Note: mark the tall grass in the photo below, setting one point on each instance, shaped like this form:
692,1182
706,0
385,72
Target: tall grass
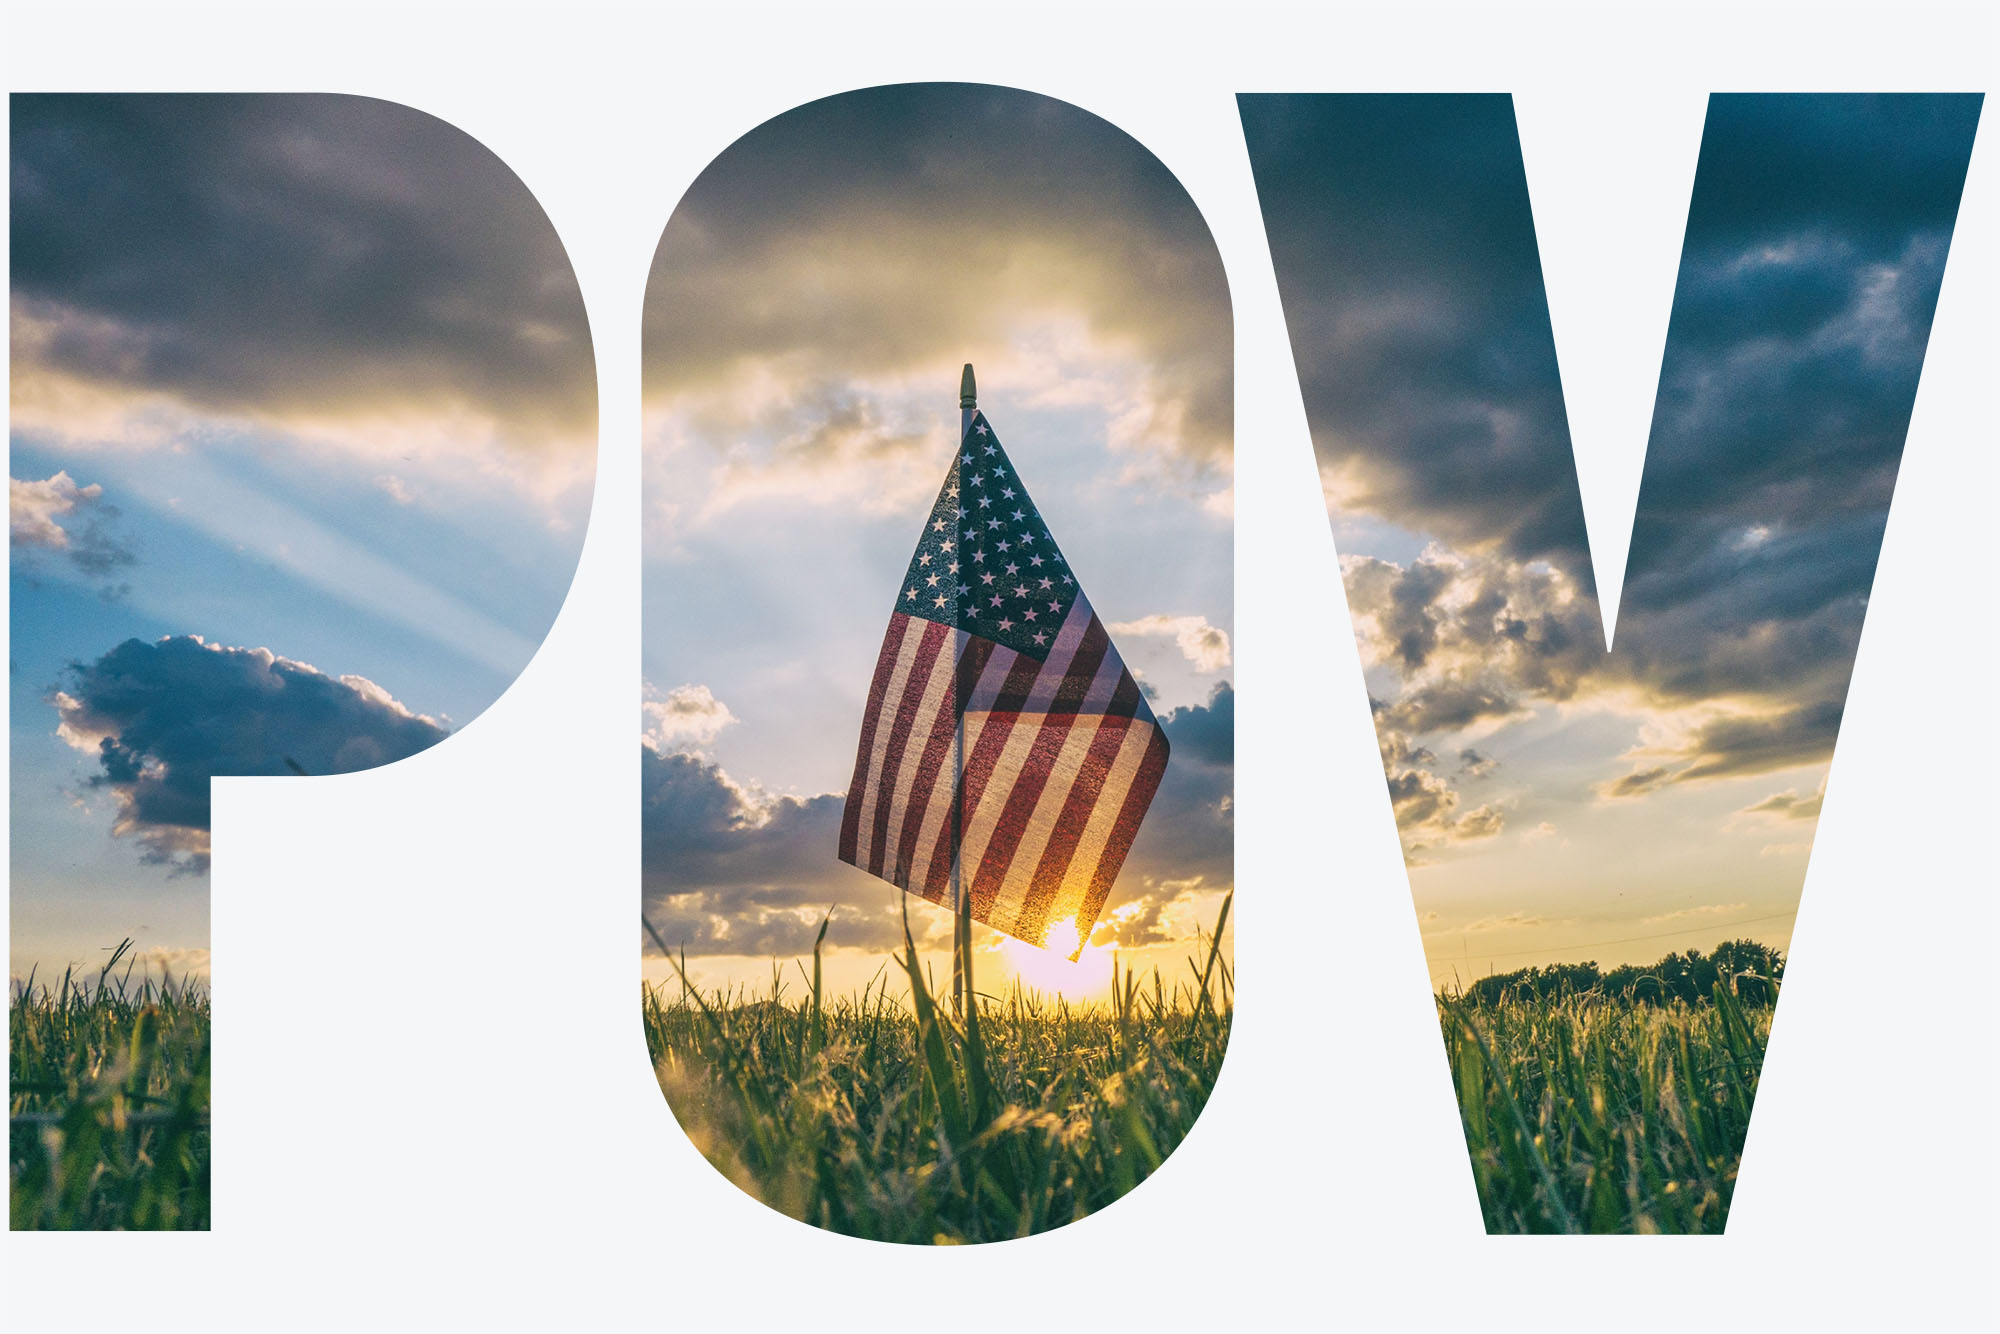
108,1105
1588,1113
899,1120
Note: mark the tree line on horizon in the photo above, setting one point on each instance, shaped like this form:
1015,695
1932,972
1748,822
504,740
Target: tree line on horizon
1755,971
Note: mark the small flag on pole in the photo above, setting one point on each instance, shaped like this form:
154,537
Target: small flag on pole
1006,753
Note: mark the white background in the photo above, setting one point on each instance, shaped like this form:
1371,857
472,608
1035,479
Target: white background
432,1101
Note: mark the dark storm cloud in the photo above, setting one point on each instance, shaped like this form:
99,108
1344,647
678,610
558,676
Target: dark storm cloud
897,227
163,718
1405,253
728,870
1816,244
281,255
1190,829
1817,237
1777,164
703,831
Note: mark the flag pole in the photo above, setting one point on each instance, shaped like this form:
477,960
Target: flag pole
961,907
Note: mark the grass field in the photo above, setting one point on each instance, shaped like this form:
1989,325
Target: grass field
898,1121
889,1117
1592,1113
108,1104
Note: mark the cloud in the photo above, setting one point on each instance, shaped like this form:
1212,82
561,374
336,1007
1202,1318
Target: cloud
1190,829
837,264
1449,618
33,511
1168,914
829,445
686,718
1705,910
348,270
1426,805
1405,251
1480,822
1398,751
1732,743
1472,640
1789,805
1516,921
32,508
1538,833
728,868
1204,645
397,489
1785,396
1424,802
1472,764
1733,746
161,719
175,963
1639,782
1450,706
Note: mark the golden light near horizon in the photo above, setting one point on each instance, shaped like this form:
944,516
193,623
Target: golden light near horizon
1048,966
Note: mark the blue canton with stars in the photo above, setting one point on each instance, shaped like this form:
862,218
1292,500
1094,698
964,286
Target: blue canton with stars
986,563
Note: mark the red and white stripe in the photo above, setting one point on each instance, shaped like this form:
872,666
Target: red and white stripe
1050,776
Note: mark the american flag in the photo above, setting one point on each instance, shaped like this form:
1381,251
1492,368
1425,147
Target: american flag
1002,724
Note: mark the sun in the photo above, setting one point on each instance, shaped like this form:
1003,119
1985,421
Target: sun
1047,967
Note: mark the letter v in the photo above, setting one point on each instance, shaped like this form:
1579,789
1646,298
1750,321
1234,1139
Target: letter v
1650,806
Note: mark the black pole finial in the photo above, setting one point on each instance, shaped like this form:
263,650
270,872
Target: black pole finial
968,393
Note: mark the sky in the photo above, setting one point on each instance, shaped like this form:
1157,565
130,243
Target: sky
1558,802
811,303
303,420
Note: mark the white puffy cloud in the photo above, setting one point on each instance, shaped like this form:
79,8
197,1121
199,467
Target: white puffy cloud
33,508
1204,645
684,719
56,515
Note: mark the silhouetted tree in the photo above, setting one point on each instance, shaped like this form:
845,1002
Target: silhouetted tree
1754,970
